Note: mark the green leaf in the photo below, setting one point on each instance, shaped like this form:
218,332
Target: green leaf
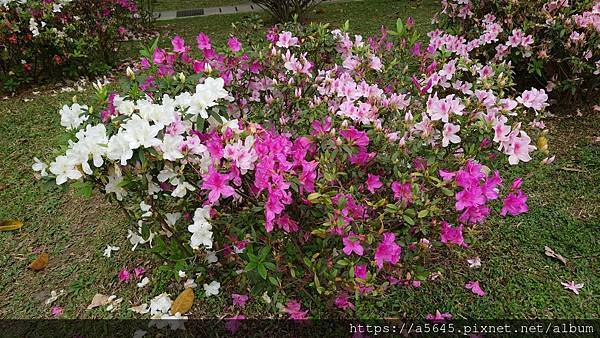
408,220
262,271
423,213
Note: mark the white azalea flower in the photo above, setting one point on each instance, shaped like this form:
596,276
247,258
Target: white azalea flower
211,257
170,147
109,249
160,304
190,284
64,169
181,274
119,149
139,133
72,117
40,167
144,282
212,289
113,186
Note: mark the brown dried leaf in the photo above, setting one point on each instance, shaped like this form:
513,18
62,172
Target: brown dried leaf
183,303
11,224
40,262
100,300
550,253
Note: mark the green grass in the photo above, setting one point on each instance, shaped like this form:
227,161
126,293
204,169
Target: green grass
521,282
173,5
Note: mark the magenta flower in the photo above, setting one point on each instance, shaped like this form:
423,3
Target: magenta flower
360,271
294,309
388,250
373,183
138,272
352,245
439,316
159,56
342,302
178,44
514,204
234,44
356,137
402,191
124,275
475,288
239,300
217,185
453,235
203,42
56,311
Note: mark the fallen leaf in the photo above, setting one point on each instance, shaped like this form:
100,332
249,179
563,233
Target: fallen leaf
100,300
54,296
183,303
550,253
141,309
40,262
10,225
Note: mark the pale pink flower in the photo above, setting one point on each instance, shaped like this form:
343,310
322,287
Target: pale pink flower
475,288
572,286
449,134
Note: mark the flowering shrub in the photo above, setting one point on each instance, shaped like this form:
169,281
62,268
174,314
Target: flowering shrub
311,157
557,41
44,39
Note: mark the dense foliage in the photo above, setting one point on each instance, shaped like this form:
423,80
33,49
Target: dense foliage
307,158
554,41
286,10
56,38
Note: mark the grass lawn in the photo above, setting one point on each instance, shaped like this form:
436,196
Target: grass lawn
173,5
520,280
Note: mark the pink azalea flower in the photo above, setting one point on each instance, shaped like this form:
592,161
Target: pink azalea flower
373,183
402,191
56,311
572,286
352,245
217,185
178,44
387,250
514,204
124,275
294,309
159,56
138,272
234,44
355,137
342,302
475,288
360,271
239,300
286,40
453,235
439,316
203,42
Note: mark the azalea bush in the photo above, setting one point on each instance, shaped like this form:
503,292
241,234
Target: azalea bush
556,42
306,160
54,38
